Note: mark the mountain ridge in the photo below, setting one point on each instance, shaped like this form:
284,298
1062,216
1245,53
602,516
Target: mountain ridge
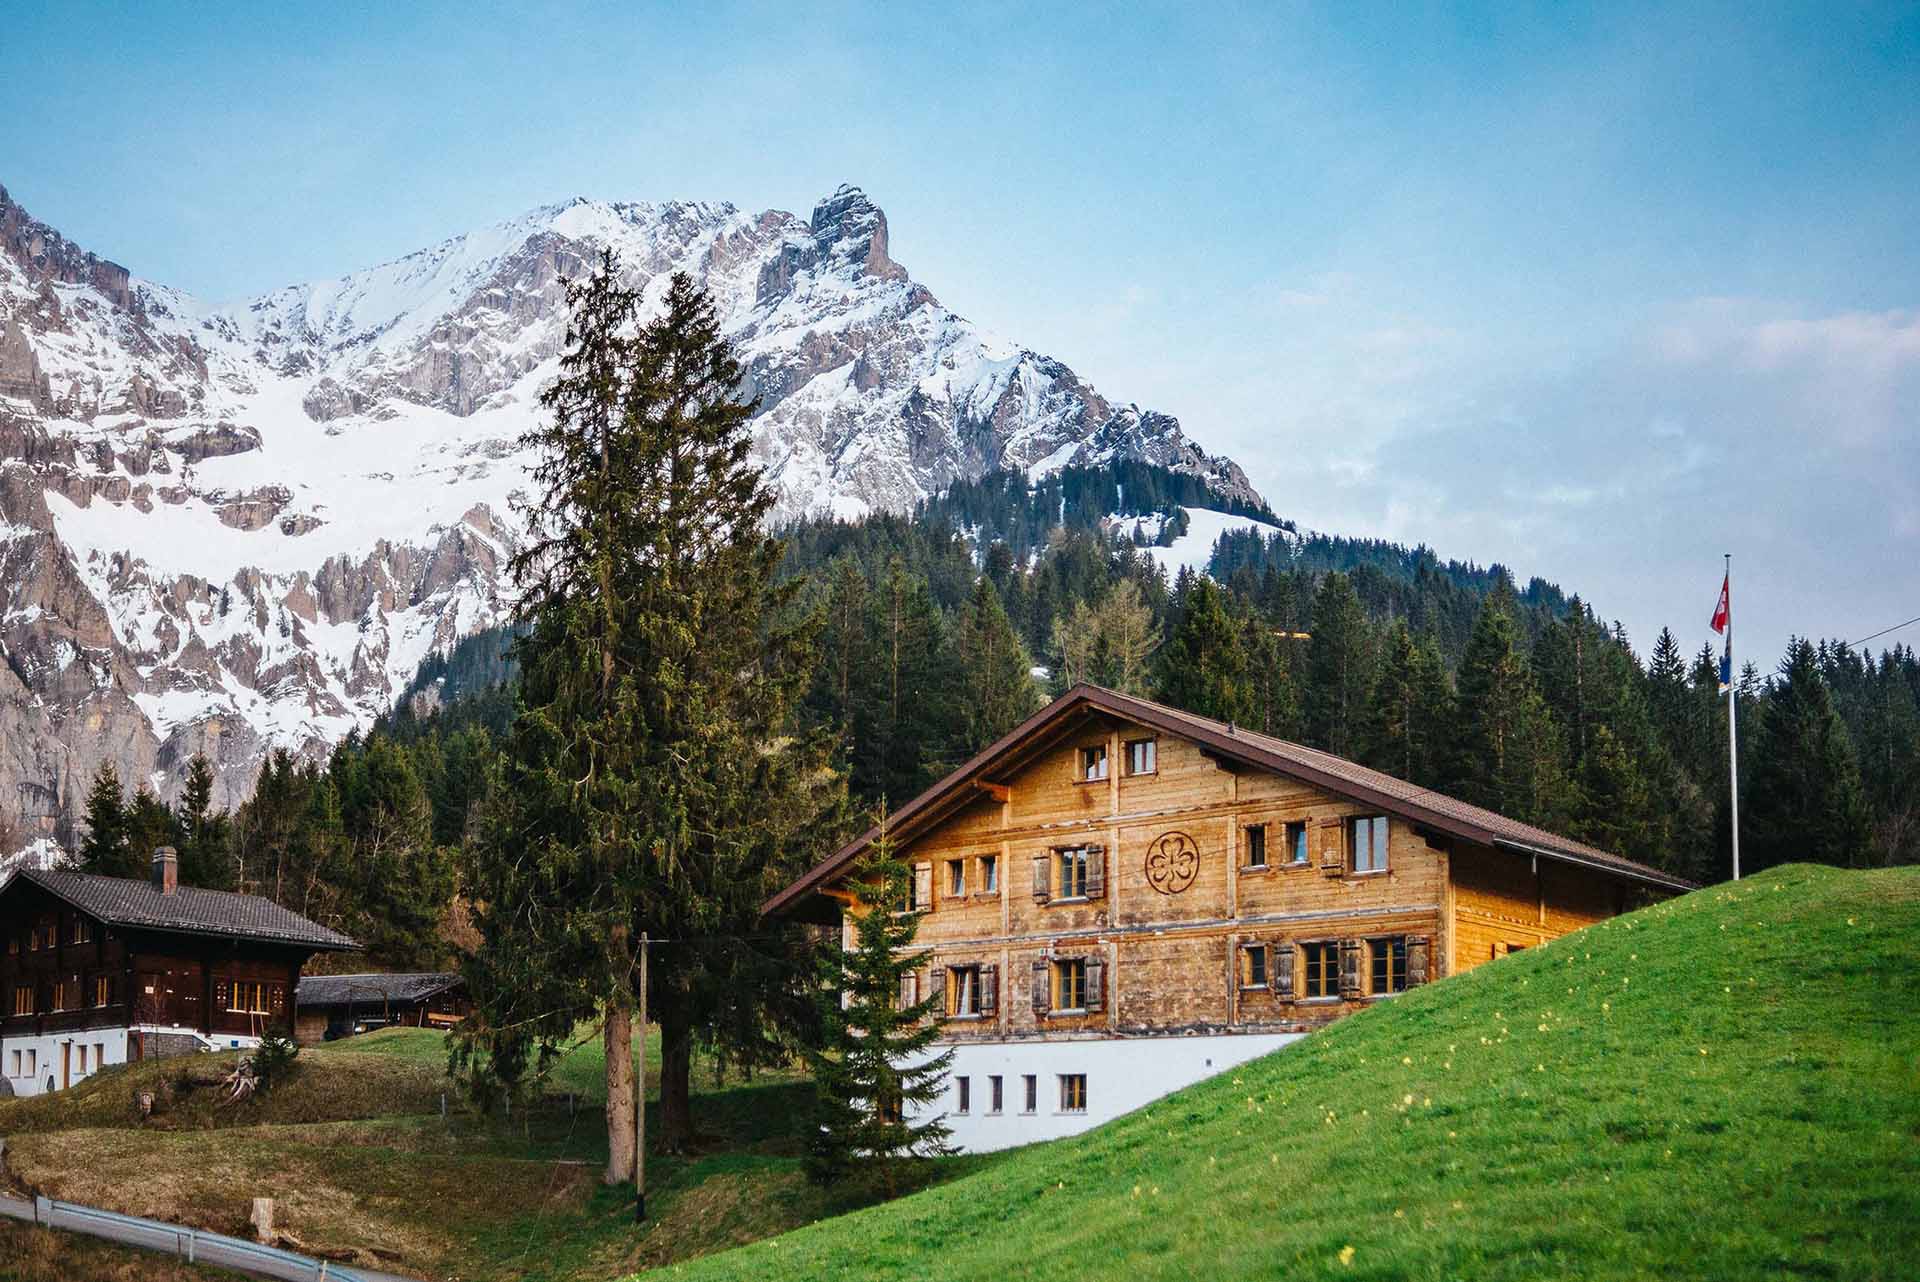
228,528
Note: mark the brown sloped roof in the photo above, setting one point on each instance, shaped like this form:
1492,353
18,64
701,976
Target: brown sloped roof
131,901
340,990
1336,775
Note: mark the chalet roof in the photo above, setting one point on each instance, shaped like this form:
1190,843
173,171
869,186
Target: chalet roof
1337,775
133,901
340,990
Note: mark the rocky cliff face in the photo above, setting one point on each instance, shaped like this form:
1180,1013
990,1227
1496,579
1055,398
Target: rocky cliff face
226,529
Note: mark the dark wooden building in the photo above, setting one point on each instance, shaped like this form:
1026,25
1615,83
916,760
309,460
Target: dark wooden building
109,970
334,1006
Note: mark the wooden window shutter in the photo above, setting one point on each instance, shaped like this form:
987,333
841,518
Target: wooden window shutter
906,990
1333,855
1096,984
1280,971
1042,879
1419,951
937,989
923,886
1096,872
989,990
1350,968
1042,988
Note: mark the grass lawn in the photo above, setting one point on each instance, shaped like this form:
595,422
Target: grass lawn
359,1160
1726,1086
28,1254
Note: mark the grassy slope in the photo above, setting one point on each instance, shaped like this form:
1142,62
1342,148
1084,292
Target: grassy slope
28,1254
355,1151
1726,1086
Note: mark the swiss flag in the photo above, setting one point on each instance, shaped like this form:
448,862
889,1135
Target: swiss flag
1719,623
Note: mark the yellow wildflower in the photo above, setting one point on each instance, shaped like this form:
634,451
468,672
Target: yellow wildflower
1346,1256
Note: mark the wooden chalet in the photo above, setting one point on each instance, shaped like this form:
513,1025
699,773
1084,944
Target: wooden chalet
109,970
335,1006
1121,898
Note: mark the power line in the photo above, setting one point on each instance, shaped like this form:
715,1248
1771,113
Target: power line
1883,631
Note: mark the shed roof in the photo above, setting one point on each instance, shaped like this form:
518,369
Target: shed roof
133,901
1337,775
340,990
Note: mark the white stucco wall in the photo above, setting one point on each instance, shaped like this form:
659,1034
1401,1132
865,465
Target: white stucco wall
44,1052
1122,1074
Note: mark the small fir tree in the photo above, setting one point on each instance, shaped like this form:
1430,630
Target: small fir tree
105,850
871,1067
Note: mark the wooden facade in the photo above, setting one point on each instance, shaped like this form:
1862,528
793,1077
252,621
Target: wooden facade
1119,869
93,974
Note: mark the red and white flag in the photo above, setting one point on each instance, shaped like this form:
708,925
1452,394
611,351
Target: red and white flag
1719,623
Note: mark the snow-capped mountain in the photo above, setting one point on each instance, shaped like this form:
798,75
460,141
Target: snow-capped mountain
229,528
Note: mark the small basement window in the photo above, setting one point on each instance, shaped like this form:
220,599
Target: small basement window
1323,968
1093,764
995,1096
1032,1084
962,1094
1142,756
1073,1092
1367,838
1389,958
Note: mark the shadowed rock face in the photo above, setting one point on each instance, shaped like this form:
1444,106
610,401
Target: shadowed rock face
229,529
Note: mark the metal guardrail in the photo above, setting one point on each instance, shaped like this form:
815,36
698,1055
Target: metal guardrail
191,1245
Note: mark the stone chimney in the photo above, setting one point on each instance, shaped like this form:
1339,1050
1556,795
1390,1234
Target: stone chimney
166,870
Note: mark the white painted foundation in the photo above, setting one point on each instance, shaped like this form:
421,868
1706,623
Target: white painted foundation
1123,1073
33,1065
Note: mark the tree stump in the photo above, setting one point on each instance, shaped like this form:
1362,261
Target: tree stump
262,1219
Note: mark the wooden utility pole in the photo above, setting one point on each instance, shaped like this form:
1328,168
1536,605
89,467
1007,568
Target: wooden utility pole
640,1100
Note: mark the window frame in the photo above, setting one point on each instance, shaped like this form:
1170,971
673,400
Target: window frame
102,990
996,1094
1151,746
962,1094
1073,1092
1030,1083
1068,975
964,978
1382,844
1330,970
956,878
1254,976
1392,944
1088,769
1254,846
1299,846
989,874
1069,870
23,994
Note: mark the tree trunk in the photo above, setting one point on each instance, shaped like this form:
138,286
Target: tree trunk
676,1081
619,1044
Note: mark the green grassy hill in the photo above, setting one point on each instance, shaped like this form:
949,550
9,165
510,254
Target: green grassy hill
1724,1086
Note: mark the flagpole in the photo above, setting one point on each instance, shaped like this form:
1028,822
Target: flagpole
1733,734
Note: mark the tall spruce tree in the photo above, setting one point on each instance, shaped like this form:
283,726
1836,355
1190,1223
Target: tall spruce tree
1507,754
202,832
1410,710
1339,669
995,690
1202,667
1805,801
871,1063
106,850
654,781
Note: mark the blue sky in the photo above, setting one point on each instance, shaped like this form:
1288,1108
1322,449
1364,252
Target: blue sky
1600,292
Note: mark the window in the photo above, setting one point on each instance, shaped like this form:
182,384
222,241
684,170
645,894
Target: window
1253,966
16,1065
23,999
99,1055
82,1066
1033,1093
909,989
1297,842
995,1096
102,990
889,1110
249,998
962,1094
1323,968
82,931
64,996
1073,1092
13,945
1093,764
990,874
1070,984
1256,845
1071,866
963,990
1389,957
1367,838
33,1061
1142,756
956,878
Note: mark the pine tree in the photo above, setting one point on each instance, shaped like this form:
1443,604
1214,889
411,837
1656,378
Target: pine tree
201,832
995,690
1410,710
1203,665
106,850
655,780
1270,667
1507,756
871,1065
1805,802
1339,669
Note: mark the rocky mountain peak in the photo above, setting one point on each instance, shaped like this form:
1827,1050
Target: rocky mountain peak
851,229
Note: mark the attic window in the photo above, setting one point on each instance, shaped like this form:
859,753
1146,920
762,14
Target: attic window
1367,839
1142,756
1093,764
956,878
1256,845
82,931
